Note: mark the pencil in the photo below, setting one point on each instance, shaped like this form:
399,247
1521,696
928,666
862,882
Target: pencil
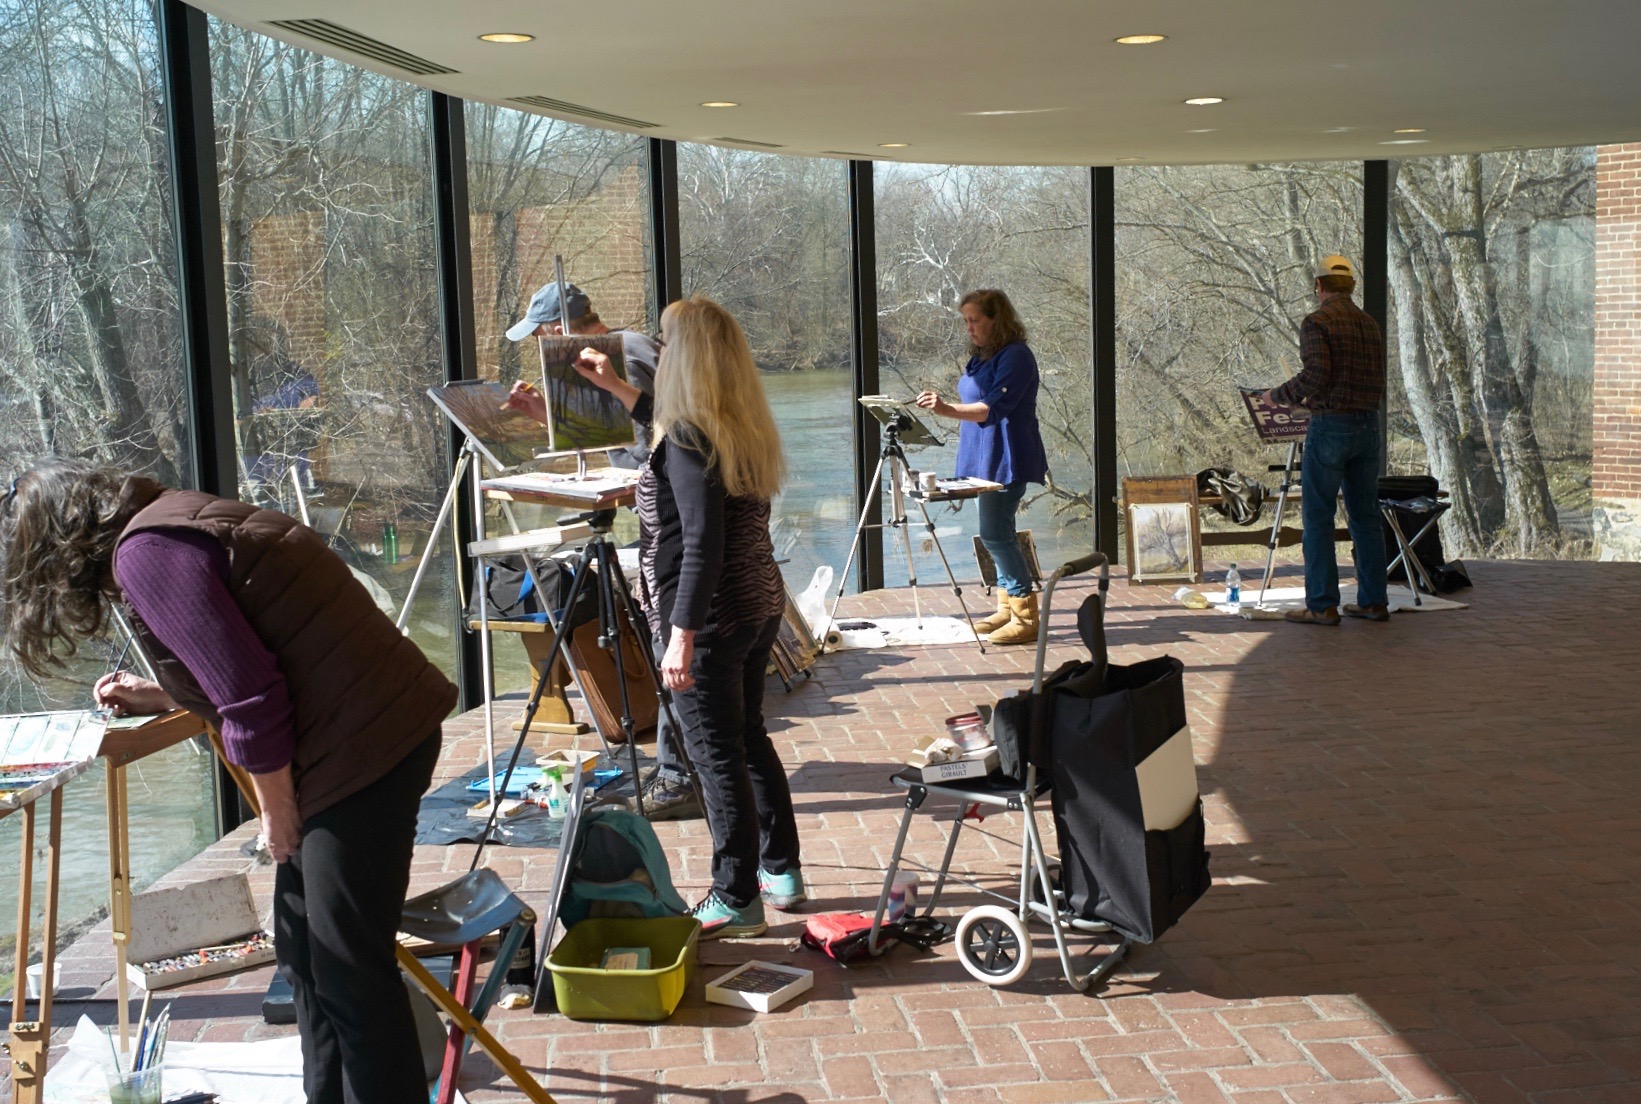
526,387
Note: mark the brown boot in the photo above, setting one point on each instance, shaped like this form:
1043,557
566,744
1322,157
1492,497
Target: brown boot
998,619
1022,626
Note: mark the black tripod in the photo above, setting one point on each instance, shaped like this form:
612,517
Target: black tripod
597,565
893,457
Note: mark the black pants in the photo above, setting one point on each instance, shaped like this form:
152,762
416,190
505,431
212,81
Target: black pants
743,783
337,904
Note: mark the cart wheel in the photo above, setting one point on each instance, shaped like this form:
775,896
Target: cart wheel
993,945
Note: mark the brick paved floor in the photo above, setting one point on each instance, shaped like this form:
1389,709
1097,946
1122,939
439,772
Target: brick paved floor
1425,881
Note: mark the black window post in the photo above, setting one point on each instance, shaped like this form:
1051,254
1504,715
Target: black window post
1102,299
202,289
454,232
863,301
1375,268
665,243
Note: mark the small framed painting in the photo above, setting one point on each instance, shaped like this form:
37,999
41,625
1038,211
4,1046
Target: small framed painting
1164,530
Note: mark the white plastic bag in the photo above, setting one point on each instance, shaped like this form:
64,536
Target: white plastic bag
812,602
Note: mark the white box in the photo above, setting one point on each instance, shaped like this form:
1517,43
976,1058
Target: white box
760,986
974,764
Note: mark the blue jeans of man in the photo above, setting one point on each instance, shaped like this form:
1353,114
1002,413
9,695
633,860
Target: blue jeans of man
743,782
1342,451
997,513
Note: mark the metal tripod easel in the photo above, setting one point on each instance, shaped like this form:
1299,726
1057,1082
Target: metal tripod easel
893,457
598,561
1296,450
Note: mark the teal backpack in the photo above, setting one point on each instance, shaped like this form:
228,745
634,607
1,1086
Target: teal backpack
619,870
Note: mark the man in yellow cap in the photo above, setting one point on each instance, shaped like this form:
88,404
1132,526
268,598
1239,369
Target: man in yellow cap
1341,381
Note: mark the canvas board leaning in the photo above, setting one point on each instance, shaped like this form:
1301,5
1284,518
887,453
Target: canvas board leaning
1164,530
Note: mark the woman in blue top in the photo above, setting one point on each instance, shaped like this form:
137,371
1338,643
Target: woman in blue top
999,440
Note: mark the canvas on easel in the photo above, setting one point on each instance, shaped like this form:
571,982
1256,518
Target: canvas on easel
580,415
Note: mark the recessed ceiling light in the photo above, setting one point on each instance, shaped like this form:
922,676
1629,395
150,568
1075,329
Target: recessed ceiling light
1204,101
1018,111
1201,130
1410,130
893,145
720,103
1141,39
506,36
1128,160
1406,142
1338,130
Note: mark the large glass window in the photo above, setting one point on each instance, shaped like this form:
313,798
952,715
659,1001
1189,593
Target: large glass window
540,188
89,361
768,237
1492,341
327,208
1215,267
946,230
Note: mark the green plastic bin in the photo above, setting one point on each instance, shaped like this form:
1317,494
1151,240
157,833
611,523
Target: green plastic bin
586,992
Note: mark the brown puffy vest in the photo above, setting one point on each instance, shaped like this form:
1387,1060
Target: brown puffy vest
364,695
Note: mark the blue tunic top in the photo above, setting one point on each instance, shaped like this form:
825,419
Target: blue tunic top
1007,447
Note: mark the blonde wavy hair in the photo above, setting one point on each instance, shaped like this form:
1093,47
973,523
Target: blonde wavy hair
708,395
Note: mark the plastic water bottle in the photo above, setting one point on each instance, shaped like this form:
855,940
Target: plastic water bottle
558,799
1233,589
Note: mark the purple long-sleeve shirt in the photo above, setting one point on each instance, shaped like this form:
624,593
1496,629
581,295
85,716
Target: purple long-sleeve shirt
177,582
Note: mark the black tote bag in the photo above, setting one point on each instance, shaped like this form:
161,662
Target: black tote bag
1099,732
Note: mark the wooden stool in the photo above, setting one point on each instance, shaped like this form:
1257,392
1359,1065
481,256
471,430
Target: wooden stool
554,714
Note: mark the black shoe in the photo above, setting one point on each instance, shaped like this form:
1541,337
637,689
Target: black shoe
665,799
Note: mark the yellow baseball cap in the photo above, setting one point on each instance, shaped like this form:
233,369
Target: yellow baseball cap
1335,265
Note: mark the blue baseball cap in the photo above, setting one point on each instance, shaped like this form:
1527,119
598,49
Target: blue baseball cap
544,307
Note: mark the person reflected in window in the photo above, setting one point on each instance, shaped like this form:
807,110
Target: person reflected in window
715,598
998,439
1341,381
253,623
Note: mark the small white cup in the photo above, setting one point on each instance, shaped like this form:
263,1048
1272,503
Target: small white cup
929,481
36,973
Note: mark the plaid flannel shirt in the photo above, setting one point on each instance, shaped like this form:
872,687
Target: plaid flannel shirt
1342,357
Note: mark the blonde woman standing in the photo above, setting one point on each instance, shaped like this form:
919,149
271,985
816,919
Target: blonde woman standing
714,597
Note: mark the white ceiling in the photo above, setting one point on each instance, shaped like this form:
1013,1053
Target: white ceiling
1306,80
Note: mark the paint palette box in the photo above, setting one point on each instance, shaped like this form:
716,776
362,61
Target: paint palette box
196,931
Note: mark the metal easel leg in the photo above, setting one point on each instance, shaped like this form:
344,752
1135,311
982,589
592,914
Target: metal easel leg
854,546
1276,526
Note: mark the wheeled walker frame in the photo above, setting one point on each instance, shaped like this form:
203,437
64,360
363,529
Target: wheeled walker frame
993,941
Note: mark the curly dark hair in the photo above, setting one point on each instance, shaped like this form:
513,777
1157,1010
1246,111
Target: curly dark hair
1006,325
58,529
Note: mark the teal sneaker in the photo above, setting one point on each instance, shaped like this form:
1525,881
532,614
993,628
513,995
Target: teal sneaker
782,891
720,920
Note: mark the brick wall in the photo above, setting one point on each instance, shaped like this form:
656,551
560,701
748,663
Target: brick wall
1616,466
288,282
600,237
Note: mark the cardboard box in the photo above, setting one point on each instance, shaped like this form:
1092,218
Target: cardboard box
974,764
760,986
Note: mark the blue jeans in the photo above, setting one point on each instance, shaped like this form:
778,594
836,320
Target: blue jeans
997,510
1342,450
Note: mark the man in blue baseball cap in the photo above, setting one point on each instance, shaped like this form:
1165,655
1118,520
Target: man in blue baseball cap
547,317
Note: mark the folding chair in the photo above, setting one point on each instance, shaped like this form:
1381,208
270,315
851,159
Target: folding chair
1432,509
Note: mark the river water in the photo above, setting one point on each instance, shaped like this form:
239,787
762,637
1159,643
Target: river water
171,808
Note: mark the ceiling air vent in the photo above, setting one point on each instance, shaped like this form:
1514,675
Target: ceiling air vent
750,142
547,103
322,30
